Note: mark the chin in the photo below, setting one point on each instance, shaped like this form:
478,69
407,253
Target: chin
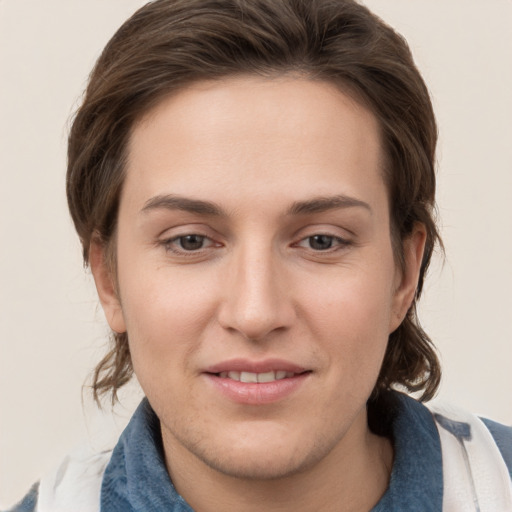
261,457
257,466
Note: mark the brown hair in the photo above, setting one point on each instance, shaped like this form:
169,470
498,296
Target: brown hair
171,43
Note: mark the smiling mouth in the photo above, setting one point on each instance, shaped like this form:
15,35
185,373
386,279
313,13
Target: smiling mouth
250,377
266,385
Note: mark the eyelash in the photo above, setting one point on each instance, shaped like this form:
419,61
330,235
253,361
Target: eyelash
335,243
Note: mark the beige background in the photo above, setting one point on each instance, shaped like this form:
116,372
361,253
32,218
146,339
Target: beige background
51,329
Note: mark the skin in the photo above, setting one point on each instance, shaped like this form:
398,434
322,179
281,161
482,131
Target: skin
259,285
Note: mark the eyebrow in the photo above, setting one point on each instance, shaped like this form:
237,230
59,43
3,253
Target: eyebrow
174,202
325,203
208,208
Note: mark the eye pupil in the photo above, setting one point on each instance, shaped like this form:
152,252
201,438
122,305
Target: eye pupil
320,242
191,242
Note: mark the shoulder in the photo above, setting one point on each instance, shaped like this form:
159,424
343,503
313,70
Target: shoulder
476,459
473,430
74,485
445,456
502,435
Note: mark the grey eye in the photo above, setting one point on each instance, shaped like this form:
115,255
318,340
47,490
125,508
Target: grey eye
320,242
191,242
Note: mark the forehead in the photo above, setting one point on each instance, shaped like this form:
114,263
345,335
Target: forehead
256,136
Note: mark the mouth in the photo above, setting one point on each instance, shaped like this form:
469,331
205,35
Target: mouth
257,383
261,377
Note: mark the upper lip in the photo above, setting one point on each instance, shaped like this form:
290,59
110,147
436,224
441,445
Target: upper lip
247,365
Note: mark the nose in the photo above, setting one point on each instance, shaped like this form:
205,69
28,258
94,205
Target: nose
257,301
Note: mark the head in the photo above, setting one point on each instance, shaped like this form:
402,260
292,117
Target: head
170,46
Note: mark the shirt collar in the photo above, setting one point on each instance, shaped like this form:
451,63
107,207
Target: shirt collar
417,476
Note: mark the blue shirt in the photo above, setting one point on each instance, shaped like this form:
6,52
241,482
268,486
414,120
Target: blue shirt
136,479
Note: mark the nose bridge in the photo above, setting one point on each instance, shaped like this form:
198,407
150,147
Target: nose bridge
256,302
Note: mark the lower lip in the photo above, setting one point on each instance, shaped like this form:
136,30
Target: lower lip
250,393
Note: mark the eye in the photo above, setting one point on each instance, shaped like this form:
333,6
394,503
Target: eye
188,243
191,242
322,242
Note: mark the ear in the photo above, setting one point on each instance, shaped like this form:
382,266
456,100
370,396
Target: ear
407,279
105,285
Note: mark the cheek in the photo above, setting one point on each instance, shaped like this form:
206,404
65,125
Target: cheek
353,316
166,316
357,300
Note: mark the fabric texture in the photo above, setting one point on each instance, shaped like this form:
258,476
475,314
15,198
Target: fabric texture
75,485
474,471
133,476
501,435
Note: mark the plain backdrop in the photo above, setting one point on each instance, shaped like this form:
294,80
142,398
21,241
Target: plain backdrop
52,331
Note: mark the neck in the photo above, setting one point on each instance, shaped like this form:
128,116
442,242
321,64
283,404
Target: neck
355,473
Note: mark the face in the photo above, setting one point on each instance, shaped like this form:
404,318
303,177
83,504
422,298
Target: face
256,278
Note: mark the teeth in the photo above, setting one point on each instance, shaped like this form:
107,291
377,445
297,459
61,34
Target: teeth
251,377
248,377
267,377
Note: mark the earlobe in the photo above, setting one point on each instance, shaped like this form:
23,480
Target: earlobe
105,286
413,247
